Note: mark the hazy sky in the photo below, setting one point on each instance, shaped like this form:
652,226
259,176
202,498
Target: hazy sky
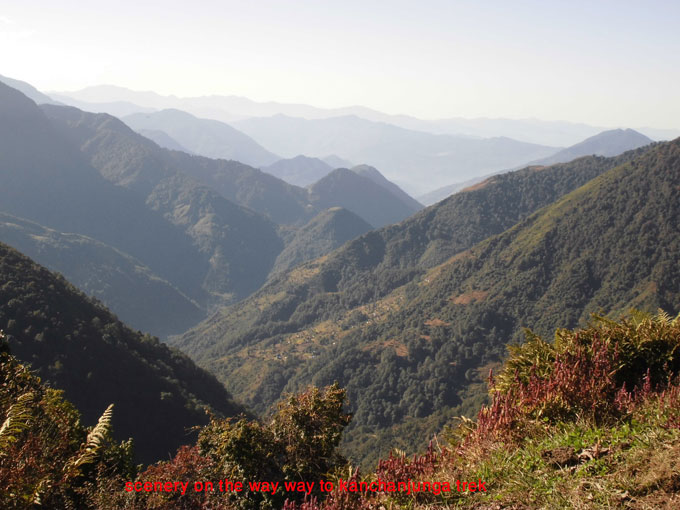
610,63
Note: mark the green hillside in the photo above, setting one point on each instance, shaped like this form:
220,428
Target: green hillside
236,246
382,260
378,262
77,345
141,299
327,231
361,195
409,358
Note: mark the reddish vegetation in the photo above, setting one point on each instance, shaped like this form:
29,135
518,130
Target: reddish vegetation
469,297
436,322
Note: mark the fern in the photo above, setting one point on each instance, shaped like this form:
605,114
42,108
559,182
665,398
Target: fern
18,419
95,441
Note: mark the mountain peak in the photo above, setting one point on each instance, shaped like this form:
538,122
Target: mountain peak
611,142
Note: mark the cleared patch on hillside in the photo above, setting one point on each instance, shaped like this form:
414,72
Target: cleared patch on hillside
468,297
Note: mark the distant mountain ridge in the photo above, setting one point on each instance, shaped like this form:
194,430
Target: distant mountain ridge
361,195
210,138
233,108
607,143
416,161
300,170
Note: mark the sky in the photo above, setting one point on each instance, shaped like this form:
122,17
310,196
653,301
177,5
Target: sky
601,62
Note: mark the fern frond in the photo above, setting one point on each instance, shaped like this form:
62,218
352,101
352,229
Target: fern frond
92,446
18,420
663,318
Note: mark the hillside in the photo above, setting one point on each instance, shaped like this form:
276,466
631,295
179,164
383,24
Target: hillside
28,90
361,195
607,143
409,356
141,299
446,191
325,232
300,170
46,180
417,161
79,346
210,138
233,247
163,139
373,174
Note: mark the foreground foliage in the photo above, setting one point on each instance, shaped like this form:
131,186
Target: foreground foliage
47,458
591,420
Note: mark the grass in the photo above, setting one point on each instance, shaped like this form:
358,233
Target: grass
630,464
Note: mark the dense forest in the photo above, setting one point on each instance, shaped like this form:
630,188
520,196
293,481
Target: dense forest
410,358
75,344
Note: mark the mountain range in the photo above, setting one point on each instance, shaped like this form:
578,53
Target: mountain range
210,138
232,108
404,317
300,170
415,160
103,203
606,143
410,151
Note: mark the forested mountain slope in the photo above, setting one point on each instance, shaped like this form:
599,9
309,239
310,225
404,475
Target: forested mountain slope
44,179
79,346
376,263
235,247
141,299
327,231
375,203
409,357
607,143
